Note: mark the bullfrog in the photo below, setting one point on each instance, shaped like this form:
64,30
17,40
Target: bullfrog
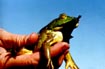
60,29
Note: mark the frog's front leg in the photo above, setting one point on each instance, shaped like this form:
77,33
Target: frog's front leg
70,62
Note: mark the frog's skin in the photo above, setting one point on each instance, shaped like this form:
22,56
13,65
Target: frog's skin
56,31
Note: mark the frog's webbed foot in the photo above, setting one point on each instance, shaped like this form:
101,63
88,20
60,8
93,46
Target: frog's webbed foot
70,62
71,65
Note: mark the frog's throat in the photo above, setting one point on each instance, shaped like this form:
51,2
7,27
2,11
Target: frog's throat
58,37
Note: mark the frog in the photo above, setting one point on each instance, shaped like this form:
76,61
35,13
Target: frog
58,30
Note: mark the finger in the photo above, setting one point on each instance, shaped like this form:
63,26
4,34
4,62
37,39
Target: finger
32,38
16,40
4,55
2,50
60,59
24,40
59,48
22,60
57,61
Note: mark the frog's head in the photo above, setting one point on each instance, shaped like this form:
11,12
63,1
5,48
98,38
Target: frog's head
67,27
69,23
73,23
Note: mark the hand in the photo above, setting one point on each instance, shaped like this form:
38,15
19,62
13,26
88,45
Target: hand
9,40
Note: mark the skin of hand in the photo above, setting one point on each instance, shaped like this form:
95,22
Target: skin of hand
9,40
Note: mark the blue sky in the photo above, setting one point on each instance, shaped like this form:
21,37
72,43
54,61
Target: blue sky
87,46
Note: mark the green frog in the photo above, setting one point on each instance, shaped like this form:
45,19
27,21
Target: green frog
58,30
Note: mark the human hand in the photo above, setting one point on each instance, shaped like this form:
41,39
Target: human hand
9,40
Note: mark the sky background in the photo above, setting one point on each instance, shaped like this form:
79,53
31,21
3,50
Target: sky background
87,46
